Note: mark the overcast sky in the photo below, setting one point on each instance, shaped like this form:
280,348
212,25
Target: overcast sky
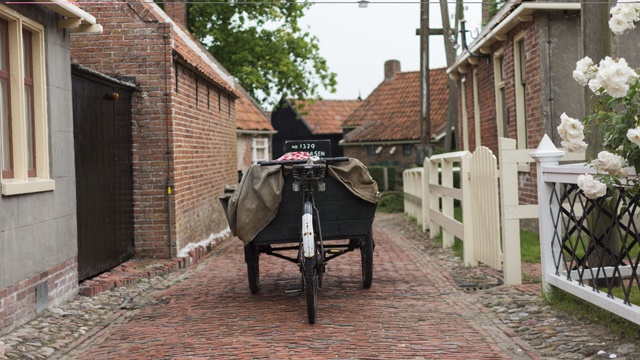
357,41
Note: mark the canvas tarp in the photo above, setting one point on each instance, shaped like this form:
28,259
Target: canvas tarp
252,205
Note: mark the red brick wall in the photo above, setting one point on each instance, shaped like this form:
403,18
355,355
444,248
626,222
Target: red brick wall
18,302
486,91
204,156
200,139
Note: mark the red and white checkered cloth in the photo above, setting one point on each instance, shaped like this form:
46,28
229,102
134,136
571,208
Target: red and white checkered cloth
300,155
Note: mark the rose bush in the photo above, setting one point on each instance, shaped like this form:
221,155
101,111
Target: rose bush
616,114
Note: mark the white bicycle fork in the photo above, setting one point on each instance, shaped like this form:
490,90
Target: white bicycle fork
308,239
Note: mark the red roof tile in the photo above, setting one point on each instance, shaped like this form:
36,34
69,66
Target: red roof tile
392,110
249,114
326,116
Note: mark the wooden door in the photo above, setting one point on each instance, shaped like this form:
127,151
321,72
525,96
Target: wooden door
104,180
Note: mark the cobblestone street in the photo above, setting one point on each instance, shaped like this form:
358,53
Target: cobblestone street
412,310
416,308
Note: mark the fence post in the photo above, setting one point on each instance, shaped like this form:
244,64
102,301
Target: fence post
511,258
447,202
547,155
426,195
434,200
468,250
405,185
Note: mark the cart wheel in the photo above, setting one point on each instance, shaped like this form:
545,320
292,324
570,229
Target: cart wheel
366,253
254,278
311,287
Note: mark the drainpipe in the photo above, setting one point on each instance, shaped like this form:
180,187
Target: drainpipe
168,153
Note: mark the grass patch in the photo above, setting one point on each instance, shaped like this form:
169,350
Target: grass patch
585,311
391,202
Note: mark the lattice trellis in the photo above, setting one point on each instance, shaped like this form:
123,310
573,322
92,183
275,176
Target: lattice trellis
587,239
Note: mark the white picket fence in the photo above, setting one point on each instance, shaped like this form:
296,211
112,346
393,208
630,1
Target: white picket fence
510,208
479,229
554,224
482,205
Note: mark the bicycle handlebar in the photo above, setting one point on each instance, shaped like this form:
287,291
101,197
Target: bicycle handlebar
293,162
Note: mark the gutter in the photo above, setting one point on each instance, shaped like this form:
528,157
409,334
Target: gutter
255,132
77,20
499,33
344,143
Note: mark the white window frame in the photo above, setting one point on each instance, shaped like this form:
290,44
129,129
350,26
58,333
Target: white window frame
259,143
465,126
521,116
499,85
521,113
476,110
21,183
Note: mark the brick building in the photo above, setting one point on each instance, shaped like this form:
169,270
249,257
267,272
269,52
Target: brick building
317,120
523,82
386,127
38,251
184,125
254,132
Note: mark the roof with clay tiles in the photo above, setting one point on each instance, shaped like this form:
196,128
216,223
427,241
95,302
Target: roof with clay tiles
326,116
392,111
249,114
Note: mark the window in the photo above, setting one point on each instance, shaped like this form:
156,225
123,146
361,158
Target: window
23,124
406,149
502,118
476,109
260,150
465,126
5,99
521,91
371,150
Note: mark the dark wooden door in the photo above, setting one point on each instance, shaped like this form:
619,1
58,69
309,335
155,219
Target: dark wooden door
104,180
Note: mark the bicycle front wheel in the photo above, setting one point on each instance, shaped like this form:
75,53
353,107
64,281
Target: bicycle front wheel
311,287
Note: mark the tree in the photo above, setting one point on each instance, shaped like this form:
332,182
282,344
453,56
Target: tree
263,46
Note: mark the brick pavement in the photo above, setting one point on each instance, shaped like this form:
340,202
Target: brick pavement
413,310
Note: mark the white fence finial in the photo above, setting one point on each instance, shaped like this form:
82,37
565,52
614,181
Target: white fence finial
546,149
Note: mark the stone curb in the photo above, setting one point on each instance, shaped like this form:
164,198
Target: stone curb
126,273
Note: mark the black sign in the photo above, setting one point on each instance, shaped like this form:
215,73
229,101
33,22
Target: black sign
319,148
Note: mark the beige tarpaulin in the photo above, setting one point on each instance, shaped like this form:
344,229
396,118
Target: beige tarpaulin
255,201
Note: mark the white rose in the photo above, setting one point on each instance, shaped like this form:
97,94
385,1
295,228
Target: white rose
592,189
609,162
634,135
622,173
570,129
595,85
620,72
618,25
584,64
580,77
617,90
574,130
574,146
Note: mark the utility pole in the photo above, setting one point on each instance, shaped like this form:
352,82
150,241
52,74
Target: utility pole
452,113
596,44
424,149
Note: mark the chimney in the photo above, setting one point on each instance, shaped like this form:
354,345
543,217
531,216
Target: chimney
177,10
391,67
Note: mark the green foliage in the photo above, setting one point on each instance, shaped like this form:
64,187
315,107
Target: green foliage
493,6
377,175
585,311
529,247
614,117
391,202
263,46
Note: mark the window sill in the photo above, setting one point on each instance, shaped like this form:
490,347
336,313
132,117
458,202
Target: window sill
33,185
